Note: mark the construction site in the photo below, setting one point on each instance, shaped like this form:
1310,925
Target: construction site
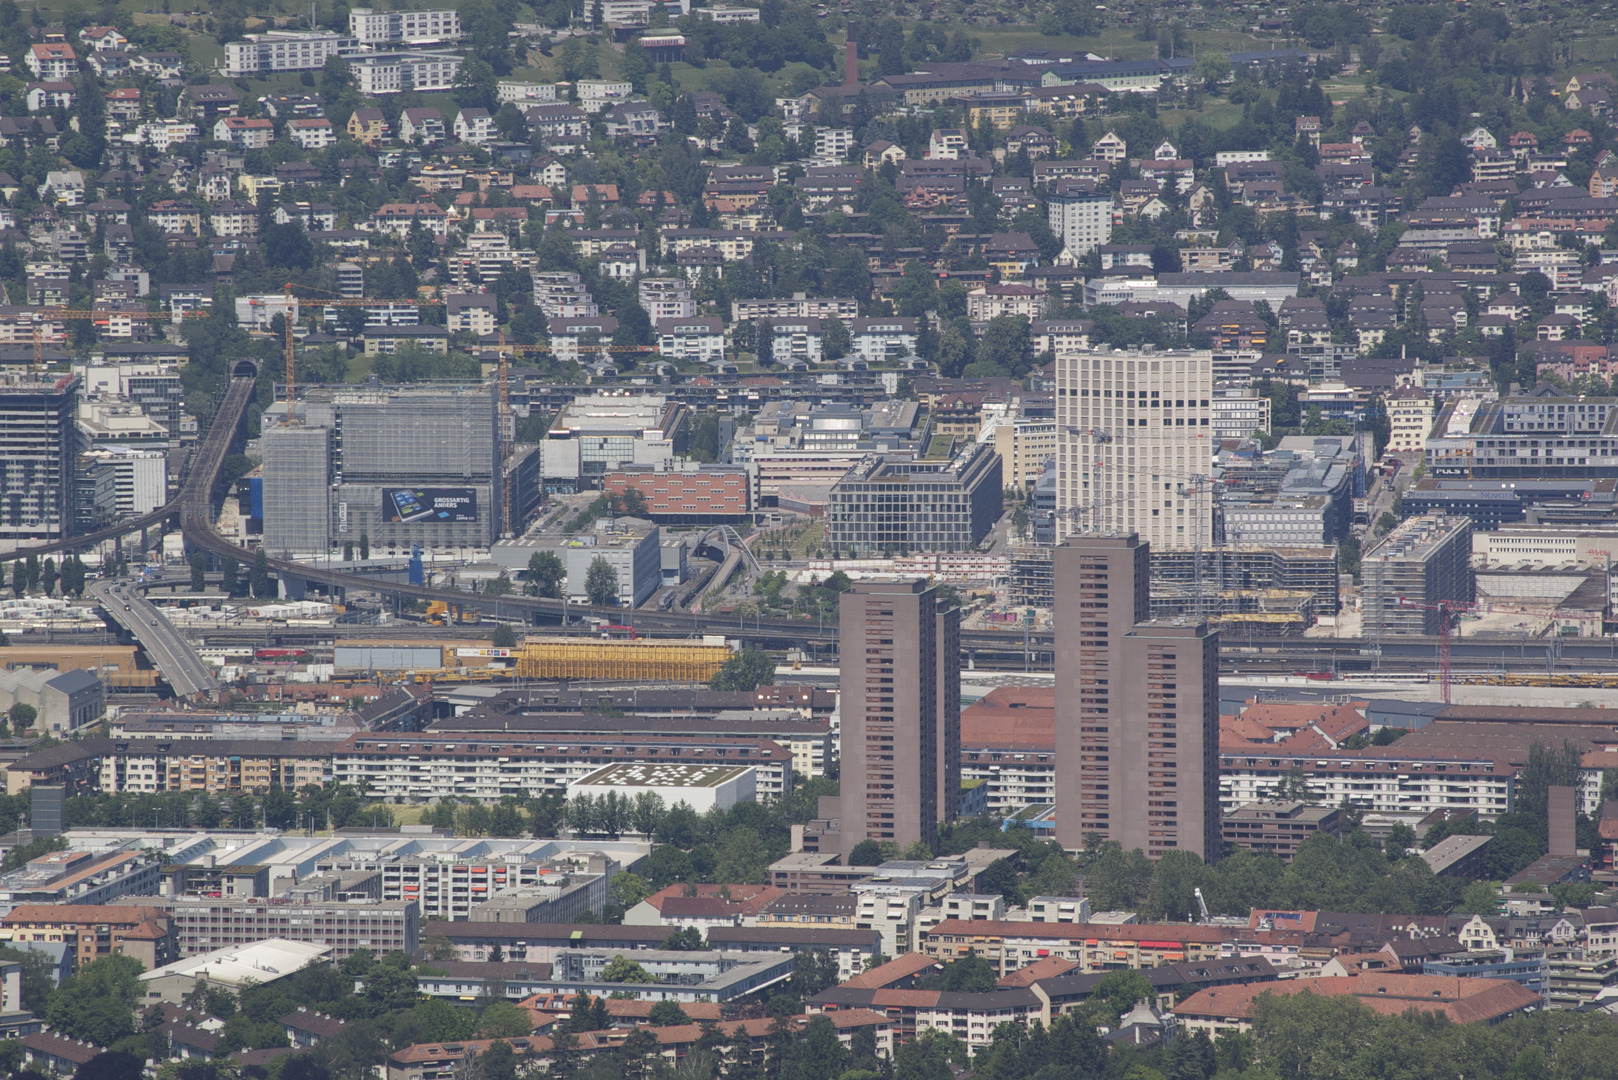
1261,590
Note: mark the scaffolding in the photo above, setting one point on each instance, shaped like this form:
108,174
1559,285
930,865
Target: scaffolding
630,661
1260,610
1252,566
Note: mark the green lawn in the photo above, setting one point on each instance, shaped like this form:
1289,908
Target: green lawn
1117,42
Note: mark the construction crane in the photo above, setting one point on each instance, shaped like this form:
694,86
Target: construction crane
43,315
505,427
1445,608
361,301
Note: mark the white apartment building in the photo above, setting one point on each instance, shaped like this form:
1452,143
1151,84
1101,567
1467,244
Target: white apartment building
876,341
1239,413
372,27
312,134
520,92
691,339
598,94
1015,778
1135,431
285,50
1061,335
1410,417
1376,779
893,910
1081,216
422,766
667,298
833,144
394,73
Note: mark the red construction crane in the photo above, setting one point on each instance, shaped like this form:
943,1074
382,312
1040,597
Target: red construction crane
1445,608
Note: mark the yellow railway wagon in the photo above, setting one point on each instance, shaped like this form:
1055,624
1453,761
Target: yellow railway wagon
600,658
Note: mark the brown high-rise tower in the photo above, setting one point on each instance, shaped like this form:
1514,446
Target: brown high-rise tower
1137,707
899,654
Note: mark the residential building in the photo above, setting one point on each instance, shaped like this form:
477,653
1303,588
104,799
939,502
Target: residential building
91,932
379,28
394,73
53,62
1408,784
882,340
285,50
1237,413
1277,827
1410,418
491,767
368,127
700,339
424,127
1464,1001
990,301
1081,214
903,715
470,313
798,306
666,298
1009,946
793,340
475,127
1134,441
1137,725
214,766
311,133
203,924
1024,444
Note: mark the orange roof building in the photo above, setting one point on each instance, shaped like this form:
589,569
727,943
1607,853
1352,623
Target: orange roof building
1460,1000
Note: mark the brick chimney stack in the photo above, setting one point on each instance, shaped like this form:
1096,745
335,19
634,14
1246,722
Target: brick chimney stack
851,64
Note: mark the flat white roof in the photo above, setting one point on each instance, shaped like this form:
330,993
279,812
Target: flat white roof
262,961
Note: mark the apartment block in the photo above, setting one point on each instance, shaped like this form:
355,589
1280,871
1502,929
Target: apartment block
1278,827
371,27
1135,444
490,767
214,765
203,924
1081,214
1137,733
901,712
91,931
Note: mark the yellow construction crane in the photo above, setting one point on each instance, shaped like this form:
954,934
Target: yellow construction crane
50,314
362,301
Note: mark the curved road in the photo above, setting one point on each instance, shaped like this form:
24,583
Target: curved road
171,653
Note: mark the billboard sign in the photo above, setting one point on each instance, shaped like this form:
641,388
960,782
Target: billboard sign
429,505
